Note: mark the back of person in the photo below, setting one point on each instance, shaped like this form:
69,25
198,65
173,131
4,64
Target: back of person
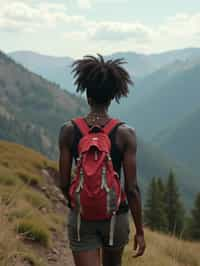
100,146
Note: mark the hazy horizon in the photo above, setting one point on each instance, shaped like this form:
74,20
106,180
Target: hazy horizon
128,51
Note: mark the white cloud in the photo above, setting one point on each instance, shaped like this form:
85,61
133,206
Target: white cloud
28,16
185,26
84,3
181,25
116,31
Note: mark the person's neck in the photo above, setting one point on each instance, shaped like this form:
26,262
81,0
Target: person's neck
97,115
99,110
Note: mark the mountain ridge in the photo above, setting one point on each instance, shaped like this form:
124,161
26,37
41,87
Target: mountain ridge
139,65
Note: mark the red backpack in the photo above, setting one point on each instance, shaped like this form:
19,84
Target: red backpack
95,191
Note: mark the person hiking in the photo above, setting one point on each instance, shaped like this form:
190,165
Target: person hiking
99,196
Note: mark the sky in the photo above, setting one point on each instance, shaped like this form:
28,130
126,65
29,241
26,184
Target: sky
78,27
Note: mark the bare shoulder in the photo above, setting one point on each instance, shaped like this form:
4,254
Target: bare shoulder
127,137
66,134
126,131
67,128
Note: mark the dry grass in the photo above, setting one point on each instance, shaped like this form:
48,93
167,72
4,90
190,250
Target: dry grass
7,177
29,178
34,229
164,250
20,205
16,157
12,250
35,198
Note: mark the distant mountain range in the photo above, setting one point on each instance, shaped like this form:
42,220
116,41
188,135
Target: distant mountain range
141,65
163,99
33,109
164,109
57,69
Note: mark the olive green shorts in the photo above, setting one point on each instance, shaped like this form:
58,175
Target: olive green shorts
95,234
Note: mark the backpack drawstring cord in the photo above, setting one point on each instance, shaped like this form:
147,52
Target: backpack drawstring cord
104,181
78,225
104,185
80,186
112,229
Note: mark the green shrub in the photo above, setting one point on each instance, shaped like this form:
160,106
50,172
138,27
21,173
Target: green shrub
35,230
16,257
8,180
9,194
50,164
19,213
33,259
29,178
36,199
7,177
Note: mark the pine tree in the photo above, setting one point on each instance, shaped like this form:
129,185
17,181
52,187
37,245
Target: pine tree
154,213
150,206
194,229
173,206
161,205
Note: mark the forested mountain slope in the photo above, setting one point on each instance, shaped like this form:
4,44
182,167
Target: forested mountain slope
166,100
183,141
33,109
153,162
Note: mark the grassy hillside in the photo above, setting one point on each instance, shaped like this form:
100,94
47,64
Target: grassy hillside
32,209
33,218
164,250
32,109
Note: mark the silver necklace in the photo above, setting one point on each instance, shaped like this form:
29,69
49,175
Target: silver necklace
96,117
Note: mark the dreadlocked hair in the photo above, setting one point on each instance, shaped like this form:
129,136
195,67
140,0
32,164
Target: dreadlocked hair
102,80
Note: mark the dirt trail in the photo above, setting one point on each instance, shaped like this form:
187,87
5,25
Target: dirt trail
59,254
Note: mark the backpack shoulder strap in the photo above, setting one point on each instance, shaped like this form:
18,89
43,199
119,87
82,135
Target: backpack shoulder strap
111,125
82,125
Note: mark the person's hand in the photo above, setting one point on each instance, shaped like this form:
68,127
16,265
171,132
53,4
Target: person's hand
139,245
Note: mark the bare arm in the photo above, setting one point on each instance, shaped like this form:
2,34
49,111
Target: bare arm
131,184
129,146
65,158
